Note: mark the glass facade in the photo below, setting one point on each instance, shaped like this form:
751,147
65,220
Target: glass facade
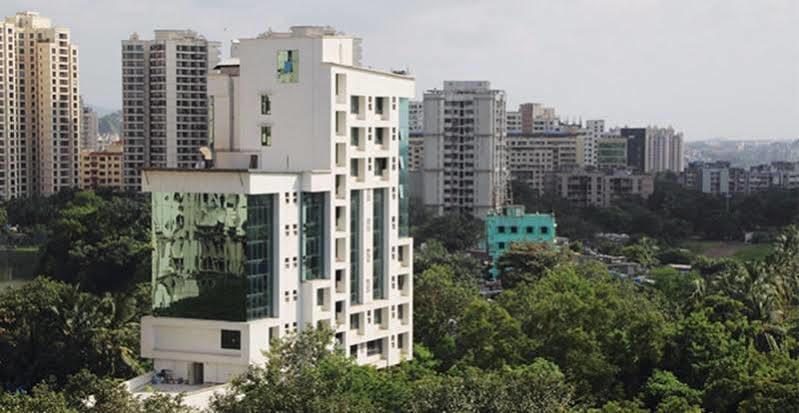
260,256
378,243
213,255
313,235
404,195
355,247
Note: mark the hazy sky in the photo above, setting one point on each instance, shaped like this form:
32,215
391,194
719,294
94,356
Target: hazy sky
711,68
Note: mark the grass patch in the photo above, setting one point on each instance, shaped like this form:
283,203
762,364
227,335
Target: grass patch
754,252
700,247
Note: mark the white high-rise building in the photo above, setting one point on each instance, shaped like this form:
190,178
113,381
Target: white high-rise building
594,129
664,150
464,148
164,101
39,107
300,218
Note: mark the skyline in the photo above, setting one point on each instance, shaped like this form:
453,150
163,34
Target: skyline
716,69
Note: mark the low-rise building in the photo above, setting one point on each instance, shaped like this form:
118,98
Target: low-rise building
532,156
511,225
598,188
719,178
101,168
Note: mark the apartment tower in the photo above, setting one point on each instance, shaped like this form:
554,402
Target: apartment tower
164,101
89,127
39,107
299,219
464,148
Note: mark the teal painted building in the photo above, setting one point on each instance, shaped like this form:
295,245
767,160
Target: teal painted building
514,225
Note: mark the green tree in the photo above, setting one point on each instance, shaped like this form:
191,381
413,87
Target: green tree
465,267
51,330
302,374
663,388
42,399
643,252
439,303
605,335
103,245
488,337
526,262
457,232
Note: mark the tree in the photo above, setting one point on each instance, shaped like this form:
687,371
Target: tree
465,267
642,252
42,399
604,334
488,337
537,387
52,329
529,261
457,232
439,303
302,374
664,389
103,245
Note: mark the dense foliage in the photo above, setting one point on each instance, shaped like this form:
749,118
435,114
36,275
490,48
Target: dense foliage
563,335
672,213
50,330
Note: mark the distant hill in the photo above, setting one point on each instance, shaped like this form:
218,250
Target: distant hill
111,124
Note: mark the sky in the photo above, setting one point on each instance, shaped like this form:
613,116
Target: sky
709,68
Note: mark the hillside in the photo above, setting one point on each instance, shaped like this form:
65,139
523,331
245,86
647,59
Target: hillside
111,124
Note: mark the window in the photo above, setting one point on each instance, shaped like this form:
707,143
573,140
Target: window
501,229
514,230
266,105
379,316
501,245
545,230
529,230
374,347
355,321
320,297
266,136
231,339
288,66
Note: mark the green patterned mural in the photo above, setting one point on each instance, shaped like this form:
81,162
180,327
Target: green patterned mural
200,260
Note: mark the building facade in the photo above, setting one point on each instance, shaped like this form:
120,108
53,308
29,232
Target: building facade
594,130
611,152
532,156
636,148
664,150
89,128
586,188
511,225
101,168
464,148
719,178
39,107
417,117
514,122
275,238
164,102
